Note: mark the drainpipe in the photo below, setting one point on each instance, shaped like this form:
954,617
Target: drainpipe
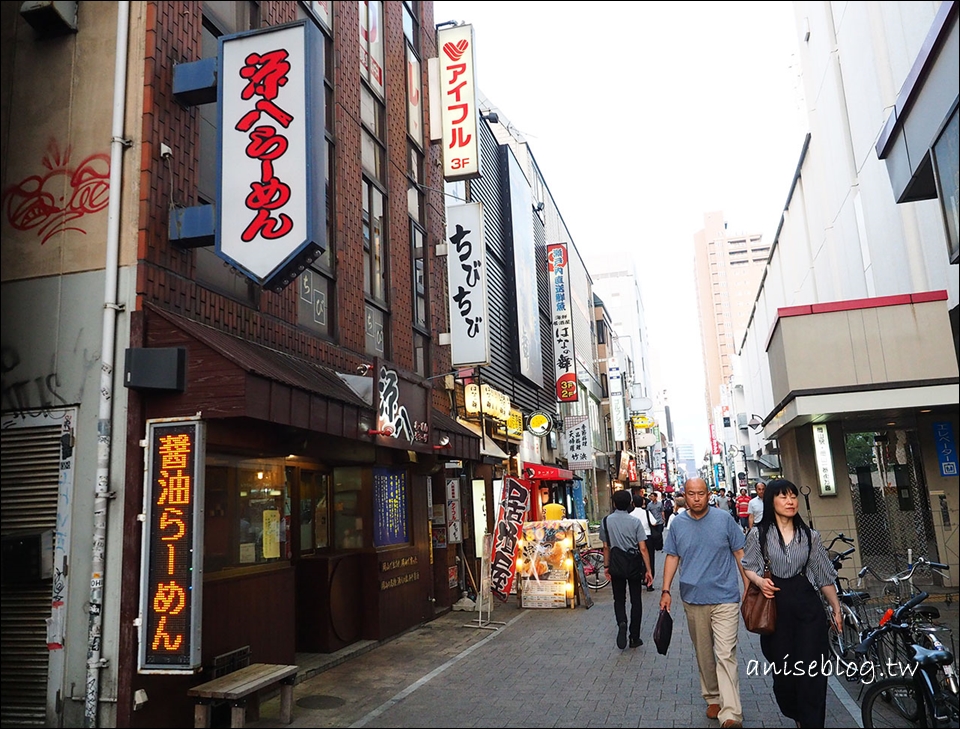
102,494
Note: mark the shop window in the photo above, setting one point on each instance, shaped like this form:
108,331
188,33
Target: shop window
247,505
313,505
348,509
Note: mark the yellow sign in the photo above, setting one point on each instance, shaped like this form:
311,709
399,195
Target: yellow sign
515,424
642,421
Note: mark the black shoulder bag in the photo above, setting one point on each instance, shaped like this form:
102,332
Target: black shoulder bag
624,563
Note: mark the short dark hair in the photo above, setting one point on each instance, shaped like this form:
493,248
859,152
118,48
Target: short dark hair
638,499
622,500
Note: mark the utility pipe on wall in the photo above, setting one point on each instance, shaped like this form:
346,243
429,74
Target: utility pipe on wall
102,492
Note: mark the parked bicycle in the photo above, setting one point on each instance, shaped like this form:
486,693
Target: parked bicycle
592,560
853,606
924,630
918,696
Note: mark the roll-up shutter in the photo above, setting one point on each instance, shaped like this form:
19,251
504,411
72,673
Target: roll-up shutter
29,486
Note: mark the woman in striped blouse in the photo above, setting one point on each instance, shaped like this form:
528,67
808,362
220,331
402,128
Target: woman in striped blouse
799,647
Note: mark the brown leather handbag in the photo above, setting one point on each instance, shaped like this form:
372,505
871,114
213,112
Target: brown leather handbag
759,612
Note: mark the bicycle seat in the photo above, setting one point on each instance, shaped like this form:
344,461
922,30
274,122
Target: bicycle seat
926,657
927,611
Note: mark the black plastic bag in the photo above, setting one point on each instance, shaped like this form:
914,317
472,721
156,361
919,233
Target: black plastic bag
663,631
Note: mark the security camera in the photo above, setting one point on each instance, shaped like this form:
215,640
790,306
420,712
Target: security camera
165,151
363,370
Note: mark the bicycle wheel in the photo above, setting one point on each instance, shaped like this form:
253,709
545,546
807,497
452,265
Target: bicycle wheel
884,703
842,644
593,570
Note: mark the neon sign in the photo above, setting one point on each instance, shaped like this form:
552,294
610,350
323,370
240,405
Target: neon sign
171,564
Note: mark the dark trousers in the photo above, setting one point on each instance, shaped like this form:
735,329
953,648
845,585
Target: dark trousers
619,585
800,638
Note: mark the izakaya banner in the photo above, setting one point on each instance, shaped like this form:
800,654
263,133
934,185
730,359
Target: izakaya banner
579,442
503,564
564,357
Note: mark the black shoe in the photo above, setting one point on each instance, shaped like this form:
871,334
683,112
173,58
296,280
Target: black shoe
636,643
650,588
622,636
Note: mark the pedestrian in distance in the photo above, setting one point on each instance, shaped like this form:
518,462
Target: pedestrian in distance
679,506
622,530
799,567
743,502
706,544
755,508
655,524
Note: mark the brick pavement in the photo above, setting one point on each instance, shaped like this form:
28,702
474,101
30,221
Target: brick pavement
544,668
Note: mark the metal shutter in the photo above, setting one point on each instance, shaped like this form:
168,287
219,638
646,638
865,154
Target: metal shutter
29,485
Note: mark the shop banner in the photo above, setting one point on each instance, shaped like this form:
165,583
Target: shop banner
514,501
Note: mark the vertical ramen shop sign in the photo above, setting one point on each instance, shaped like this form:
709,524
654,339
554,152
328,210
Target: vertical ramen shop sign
171,576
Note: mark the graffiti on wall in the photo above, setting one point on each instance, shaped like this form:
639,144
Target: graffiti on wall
24,396
49,202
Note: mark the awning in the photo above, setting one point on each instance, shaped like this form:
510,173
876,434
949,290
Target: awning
464,443
541,472
488,446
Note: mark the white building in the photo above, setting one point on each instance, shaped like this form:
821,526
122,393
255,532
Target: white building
850,356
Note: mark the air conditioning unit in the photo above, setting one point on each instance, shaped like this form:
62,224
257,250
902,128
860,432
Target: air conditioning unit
50,18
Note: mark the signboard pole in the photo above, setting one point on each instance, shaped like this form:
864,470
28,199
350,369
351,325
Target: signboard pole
484,594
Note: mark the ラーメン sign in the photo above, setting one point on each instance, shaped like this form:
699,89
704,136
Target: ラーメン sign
270,196
171,573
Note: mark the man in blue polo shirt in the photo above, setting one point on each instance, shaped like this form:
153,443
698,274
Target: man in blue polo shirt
707,546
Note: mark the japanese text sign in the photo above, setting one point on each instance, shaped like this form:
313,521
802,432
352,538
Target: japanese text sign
467,281
506,531
389,507
579,442
618,413
821,448
564,360
271,147
458,103
171,578
946,447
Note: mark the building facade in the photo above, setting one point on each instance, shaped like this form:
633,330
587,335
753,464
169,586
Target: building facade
850,356
214,440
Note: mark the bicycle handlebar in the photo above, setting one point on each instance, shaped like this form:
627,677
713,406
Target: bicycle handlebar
895,623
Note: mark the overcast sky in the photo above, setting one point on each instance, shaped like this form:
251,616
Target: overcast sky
643,117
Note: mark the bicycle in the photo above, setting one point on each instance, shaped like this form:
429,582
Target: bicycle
853,610
592,560
923,628
916,697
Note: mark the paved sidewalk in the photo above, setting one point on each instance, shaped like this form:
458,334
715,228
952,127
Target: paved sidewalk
543,668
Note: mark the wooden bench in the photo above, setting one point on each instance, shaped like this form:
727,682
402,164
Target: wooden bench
239,686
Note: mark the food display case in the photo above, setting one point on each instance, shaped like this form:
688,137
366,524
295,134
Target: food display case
545,564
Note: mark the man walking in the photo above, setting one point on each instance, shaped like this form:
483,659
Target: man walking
655,524
755,507
707,546
620,529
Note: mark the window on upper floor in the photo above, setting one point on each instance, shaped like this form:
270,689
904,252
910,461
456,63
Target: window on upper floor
316,287
375,269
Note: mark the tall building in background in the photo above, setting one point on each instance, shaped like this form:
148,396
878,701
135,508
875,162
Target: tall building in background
728,269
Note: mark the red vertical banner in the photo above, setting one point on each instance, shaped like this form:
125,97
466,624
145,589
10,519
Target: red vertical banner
503,564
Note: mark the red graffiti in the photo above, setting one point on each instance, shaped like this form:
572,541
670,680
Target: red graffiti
48,203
